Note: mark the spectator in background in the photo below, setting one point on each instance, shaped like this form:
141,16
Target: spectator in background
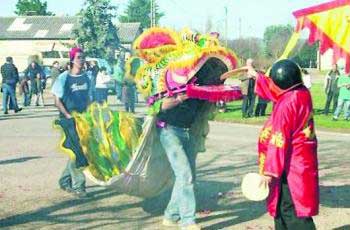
128,95
118,75
101,85
24,89
34,73
344,97
10,78
93,68
247,87
306,78
55,71
66,67
331,88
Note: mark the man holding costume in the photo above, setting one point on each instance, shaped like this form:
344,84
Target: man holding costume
71,93
288,148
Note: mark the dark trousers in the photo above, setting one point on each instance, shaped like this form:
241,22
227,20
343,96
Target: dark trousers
248,105
260,108
331,96
72,141
286,218
129,107
26,99
101,95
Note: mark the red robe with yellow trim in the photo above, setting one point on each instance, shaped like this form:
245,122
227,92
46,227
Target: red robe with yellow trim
287,143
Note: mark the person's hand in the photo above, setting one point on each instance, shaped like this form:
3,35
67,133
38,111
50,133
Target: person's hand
68,116
252,73
265,180
181,97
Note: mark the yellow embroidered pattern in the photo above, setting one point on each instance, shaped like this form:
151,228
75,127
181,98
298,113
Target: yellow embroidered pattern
262,157
265,134
277,140
308,128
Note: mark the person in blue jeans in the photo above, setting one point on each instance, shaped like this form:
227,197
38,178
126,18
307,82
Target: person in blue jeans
71,93
10,78
174,122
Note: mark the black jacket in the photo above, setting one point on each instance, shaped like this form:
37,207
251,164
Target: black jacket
9,74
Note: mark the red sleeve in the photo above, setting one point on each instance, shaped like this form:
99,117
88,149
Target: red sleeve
280,141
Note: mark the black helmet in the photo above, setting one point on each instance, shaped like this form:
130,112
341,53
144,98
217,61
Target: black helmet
285,74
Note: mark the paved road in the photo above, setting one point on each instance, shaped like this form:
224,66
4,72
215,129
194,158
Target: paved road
30,165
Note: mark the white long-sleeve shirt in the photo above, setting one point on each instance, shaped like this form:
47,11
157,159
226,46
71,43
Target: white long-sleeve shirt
307,80
102,80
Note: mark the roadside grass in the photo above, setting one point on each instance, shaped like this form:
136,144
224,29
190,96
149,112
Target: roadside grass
322,122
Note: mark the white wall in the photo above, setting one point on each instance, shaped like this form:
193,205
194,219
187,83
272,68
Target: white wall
327,59
20,50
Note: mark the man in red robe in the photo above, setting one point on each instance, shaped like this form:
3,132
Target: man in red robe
288,148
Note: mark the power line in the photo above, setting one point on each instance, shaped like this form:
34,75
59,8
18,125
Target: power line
180,7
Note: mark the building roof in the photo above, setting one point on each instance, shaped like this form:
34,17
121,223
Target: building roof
54,27
37,27
127,32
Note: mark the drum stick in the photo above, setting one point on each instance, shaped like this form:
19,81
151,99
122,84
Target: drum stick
233,73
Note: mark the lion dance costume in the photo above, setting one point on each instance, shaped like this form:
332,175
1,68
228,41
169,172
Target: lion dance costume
123,151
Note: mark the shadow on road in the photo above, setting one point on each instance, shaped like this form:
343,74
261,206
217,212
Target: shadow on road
218,205
18,160
212,197
335,196
345,227
47,214
29,115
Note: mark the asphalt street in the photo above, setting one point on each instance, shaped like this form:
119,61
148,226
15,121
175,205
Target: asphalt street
31,163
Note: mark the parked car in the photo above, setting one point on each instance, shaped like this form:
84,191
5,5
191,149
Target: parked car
48,57
112,86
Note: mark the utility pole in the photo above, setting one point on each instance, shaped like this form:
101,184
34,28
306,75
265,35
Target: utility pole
226,26
240,27
153,13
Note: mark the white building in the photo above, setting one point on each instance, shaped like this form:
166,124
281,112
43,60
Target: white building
47,36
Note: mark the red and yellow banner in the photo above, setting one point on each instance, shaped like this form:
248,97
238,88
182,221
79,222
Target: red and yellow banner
329,23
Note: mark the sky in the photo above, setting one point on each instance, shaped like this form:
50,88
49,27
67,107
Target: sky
245,18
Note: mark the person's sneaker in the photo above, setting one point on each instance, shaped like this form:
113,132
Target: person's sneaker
334,119
169,223
6,112
18,110
67,189
191,227
81,194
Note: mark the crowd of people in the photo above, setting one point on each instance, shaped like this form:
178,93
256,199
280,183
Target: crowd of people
336,88
32,83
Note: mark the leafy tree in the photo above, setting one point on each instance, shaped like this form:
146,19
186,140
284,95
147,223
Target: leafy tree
306,56
32,7
140,11
246,47
96,32
275,40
